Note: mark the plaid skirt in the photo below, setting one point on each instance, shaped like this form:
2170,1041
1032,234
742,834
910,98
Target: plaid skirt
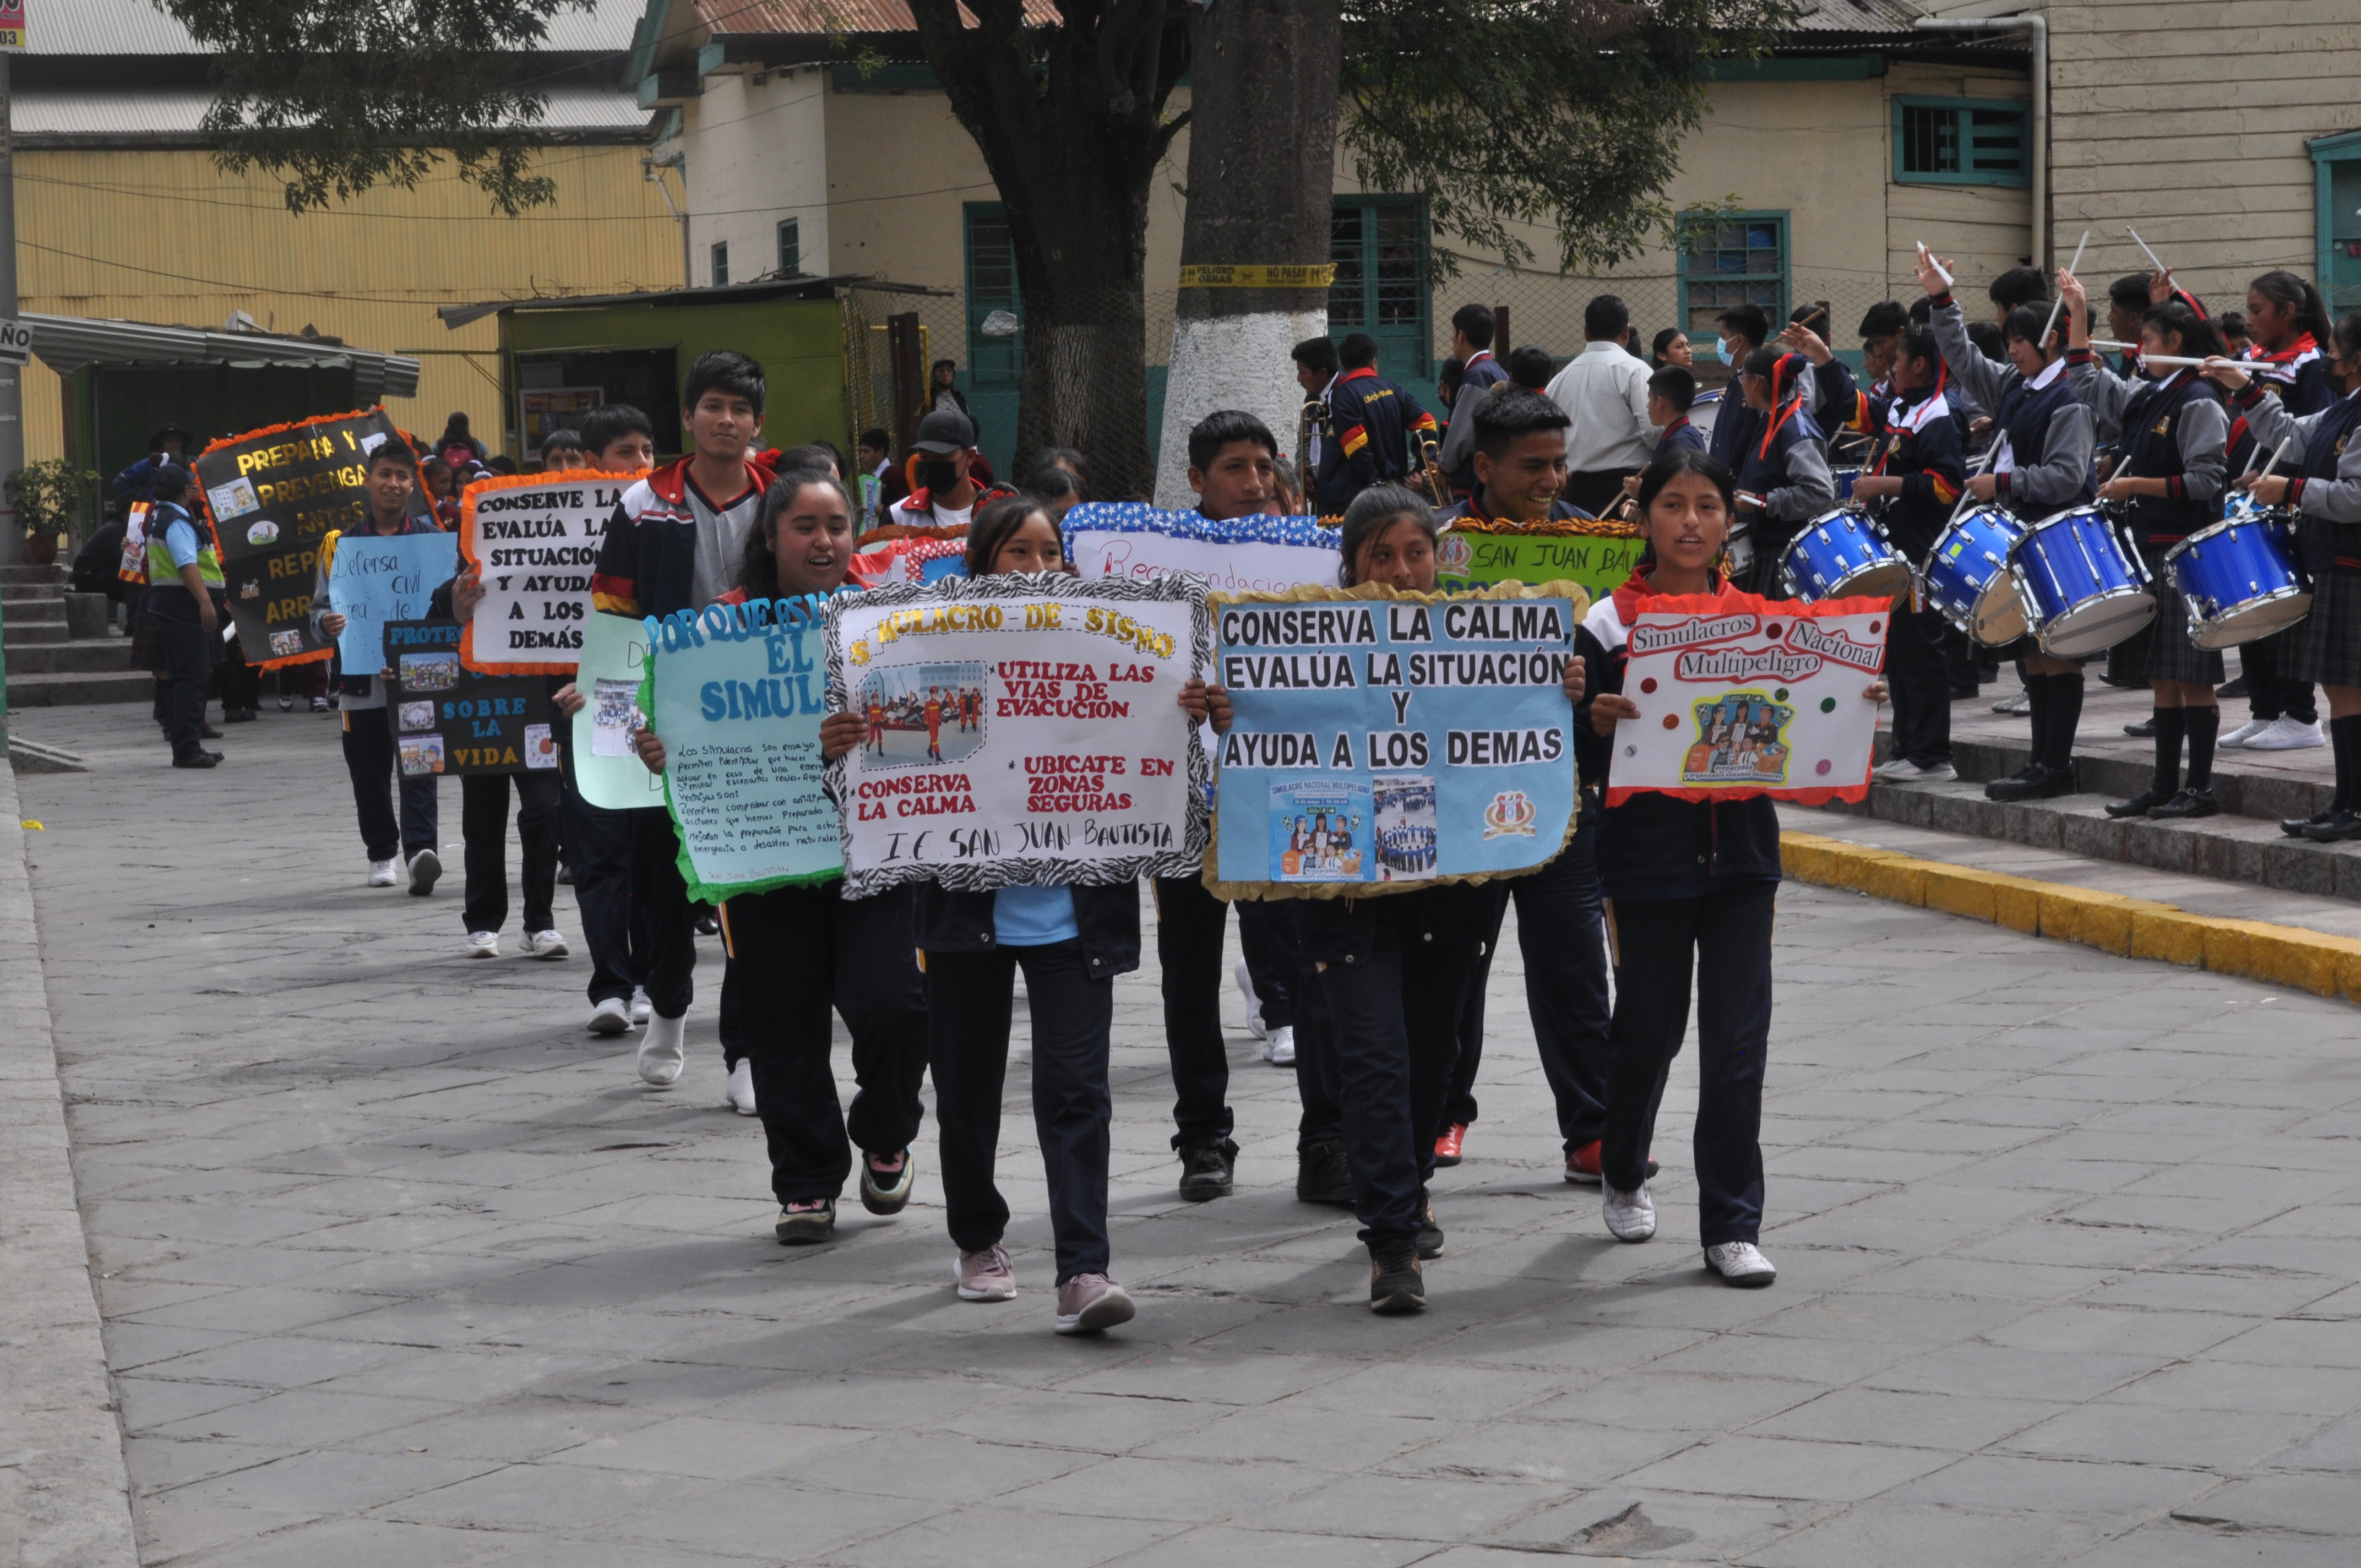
2171,655
2328,642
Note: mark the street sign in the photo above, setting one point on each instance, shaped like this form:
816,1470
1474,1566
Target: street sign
16,337
12,31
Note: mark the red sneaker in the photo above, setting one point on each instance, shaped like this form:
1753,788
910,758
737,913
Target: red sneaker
1582,1166
1446,1147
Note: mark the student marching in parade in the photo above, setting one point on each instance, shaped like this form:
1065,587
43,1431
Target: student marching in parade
1231,458
617,439
2174,436
182,572
1918,469
1520,465
1070,942
1782,477
676,537
2325,493
801,951
2290,339
369,758
2043,437
1687,882
1394,969
1373,422
1672,392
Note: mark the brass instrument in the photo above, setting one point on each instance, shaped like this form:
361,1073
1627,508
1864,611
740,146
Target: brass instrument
1438,487
1312,417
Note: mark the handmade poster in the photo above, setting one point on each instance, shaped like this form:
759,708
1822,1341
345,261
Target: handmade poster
606,768
737,692
272,495
373,579
533,539
133,567
450,719
1020,730
1475,555
910,560
1741,696
1247,554
1383,741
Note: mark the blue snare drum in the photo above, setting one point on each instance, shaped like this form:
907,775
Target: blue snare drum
2083,588
1843,554
1844,479
2240,579
1967,577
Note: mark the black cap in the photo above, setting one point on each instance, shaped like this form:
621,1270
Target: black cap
944,432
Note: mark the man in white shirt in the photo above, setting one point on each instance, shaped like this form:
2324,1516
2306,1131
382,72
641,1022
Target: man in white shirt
1604,391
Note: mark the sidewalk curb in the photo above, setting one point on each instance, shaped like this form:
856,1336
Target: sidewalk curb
2129,927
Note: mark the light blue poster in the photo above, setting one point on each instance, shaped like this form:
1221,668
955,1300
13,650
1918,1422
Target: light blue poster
739,691
607,767
1388,741
375,579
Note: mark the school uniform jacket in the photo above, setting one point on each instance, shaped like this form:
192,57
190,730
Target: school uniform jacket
2325,495
2297,373
2172,430
647,561
1660,846
1457,452
1680,432
1915,440
2046,436
1372,420
1788,466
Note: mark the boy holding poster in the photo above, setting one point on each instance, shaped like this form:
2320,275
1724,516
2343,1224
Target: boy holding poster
1685,877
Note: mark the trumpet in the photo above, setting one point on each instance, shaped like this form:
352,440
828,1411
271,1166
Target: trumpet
1311,419
1437,486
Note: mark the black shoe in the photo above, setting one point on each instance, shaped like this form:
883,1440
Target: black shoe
1429,1234
1396,1285
235,715
207,732
2293,826
2188,802
2139,804
201,760
2344,825
807,1227
564,873
2040,781
708,924
886,1193
2144,729
2236,688
1324,1175
1206,1169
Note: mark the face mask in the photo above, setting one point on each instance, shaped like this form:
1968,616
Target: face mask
939,474
1721,351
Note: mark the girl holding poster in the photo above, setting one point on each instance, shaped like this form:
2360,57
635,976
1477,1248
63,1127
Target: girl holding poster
804,948
1682,878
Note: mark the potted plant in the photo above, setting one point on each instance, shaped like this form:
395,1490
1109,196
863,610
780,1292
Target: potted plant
44,495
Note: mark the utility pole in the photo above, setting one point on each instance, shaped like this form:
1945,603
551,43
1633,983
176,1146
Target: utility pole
12,375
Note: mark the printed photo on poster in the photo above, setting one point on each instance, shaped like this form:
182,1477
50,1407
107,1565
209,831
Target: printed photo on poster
1318,828
422,754
614,715
416,716
921,713
429,672
1405,834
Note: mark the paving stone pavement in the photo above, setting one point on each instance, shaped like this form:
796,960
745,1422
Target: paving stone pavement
397,1266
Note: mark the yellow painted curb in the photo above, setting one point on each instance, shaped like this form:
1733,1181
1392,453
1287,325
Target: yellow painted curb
2132,927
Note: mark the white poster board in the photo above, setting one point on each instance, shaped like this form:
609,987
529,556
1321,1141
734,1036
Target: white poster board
534,539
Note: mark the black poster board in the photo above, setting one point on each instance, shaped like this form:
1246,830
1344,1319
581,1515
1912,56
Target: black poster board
449,719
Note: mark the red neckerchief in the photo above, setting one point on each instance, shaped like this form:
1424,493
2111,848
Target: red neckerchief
1635,588
2295,351
1782,412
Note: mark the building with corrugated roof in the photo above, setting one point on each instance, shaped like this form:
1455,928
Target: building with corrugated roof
121,212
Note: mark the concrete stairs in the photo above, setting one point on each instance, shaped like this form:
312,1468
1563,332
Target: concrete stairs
60,653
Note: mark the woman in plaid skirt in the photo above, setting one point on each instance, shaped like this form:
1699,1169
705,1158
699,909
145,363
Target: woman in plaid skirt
2175,441
2325,495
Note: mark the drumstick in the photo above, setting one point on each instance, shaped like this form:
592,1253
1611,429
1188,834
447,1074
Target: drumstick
2160,267
2059,303
1938,266
1966,495
2174,360
2285,447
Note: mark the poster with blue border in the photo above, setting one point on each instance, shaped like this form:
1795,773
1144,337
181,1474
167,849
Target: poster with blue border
1132,542
1384,740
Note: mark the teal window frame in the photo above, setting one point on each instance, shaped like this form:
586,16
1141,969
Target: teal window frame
791,246
717,259
1372,282
1965,107
1782,279
2328,153
999,361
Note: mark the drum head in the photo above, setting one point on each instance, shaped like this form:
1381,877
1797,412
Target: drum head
2097,624
1885,580
1999,615
2253,621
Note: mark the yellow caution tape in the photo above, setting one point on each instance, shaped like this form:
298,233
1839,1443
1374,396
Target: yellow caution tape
1308,276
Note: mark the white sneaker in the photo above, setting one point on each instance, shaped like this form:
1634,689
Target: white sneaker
741,1093
2021,702
1630,1216
1254,1004
662,1051
1902,770
544,944
426,867
1741,1263
2288,735
1280,1050
641,1007
610,1016
384,873
2244,733
483,944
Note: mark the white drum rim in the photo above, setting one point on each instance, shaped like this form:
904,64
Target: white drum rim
2229,630
2045,632
1842,586
2016,602
2091,507
2213,529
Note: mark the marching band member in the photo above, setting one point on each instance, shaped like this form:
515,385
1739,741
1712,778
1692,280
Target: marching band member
1672,393
2044,439
1394,969
1687,882
2291,331
1782,477
2174,437
807,949
1736,425
2325,495
1374,421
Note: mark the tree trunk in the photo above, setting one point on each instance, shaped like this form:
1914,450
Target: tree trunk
1262,148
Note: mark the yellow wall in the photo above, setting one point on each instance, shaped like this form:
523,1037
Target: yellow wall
161,236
